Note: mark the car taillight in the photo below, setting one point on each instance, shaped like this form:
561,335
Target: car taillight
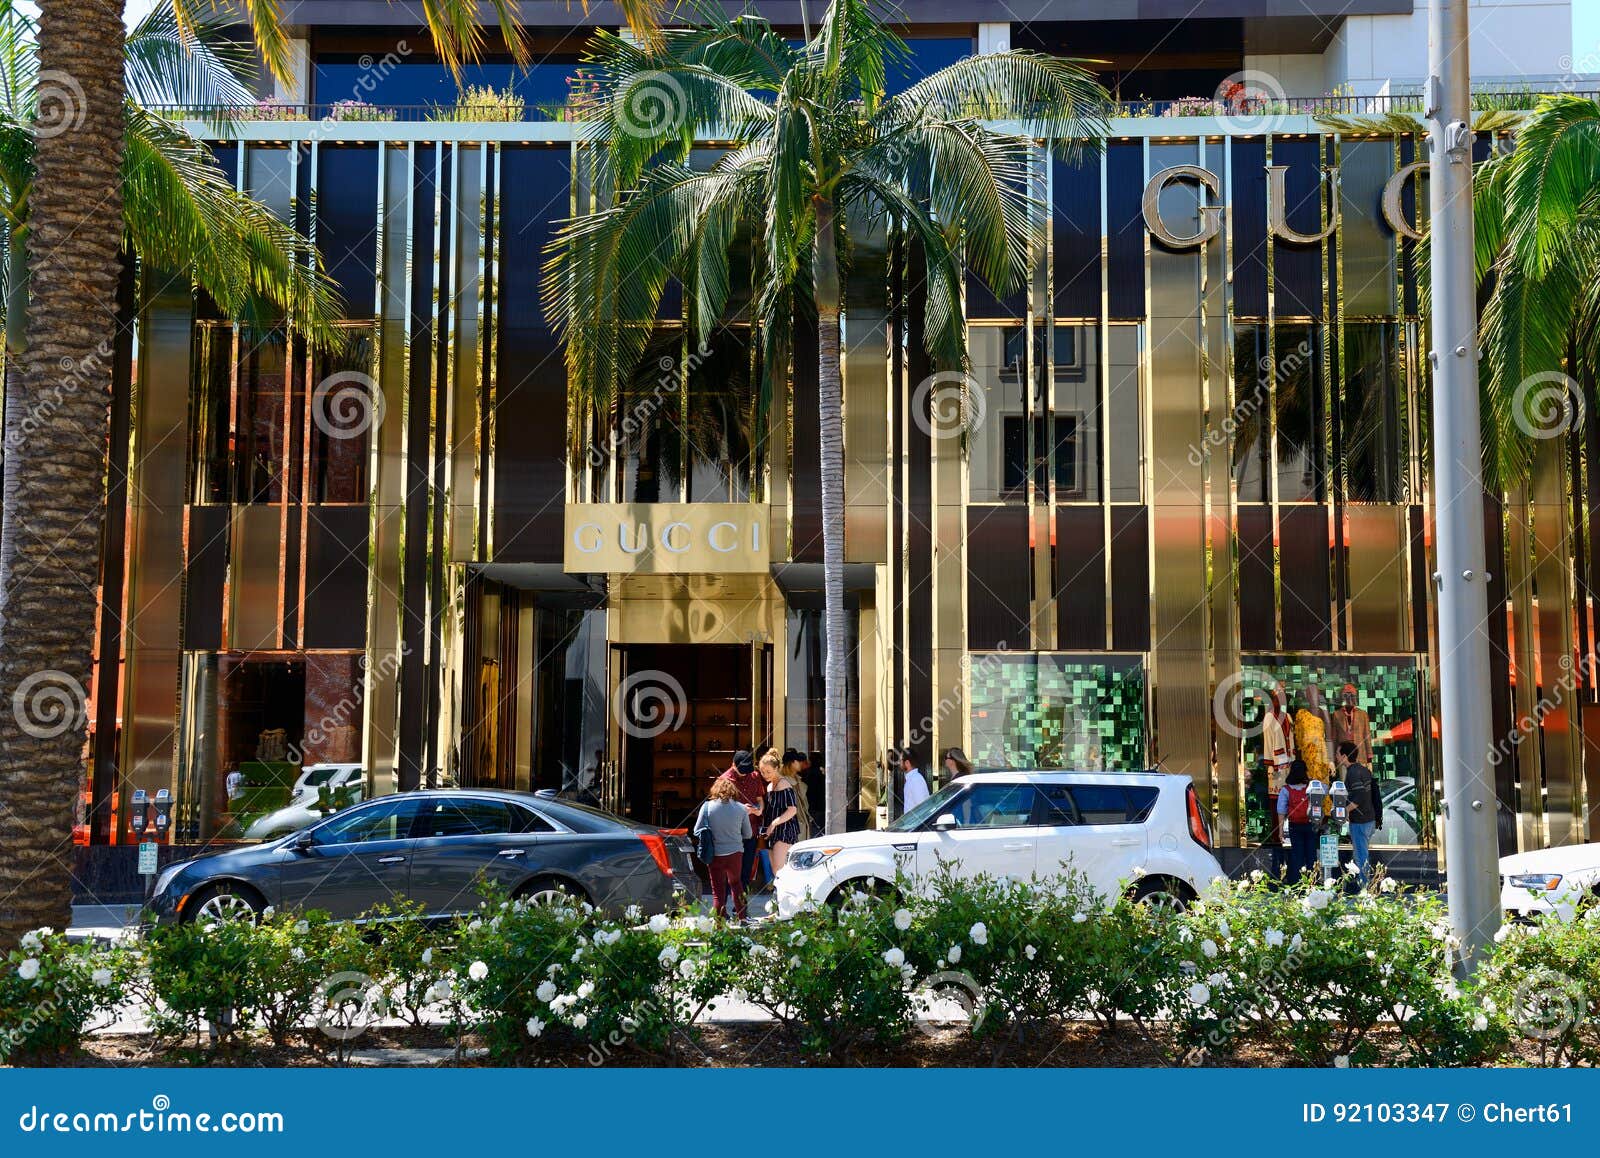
1197,820
657,845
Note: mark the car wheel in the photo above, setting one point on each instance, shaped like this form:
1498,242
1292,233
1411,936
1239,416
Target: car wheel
219,903
1162,895
550,891
871,886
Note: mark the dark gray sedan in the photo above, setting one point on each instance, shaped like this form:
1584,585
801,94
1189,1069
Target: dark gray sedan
435,847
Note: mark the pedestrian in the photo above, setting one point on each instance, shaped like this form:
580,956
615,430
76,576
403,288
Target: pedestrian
816,786
1294,815
1366,805
781,822
727,821
956,765
915,789
753,795
794,771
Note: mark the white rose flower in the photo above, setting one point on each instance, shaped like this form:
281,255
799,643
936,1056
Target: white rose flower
902,919
297,953
669,955
704,924
1274,938
577,954
660,923
1342,1061
1389,884
302,927
585,990
477,970
1294,943
632,912
1480,1022
1208,947
427,955
1189,968
29,969
579,1020
1029,952
895,957
269,912
979,934
546,991
1079,918
101,977
1318,899
1223,929
1199,994
535,1027
31,943
953,954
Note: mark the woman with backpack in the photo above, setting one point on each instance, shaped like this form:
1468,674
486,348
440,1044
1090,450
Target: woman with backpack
1294,815
720,832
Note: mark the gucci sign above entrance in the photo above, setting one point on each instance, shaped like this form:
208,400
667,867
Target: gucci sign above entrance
666,538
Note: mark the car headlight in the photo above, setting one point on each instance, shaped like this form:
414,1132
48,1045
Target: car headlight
164,877
1541,882
809,858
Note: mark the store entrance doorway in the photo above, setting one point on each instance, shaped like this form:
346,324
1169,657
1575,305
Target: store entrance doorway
679,713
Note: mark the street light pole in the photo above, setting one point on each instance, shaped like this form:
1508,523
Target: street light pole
1461,581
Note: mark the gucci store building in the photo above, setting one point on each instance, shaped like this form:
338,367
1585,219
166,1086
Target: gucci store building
1188,470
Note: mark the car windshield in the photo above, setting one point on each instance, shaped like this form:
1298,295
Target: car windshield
317,776
927,810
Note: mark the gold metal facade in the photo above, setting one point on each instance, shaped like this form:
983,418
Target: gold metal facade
1217,513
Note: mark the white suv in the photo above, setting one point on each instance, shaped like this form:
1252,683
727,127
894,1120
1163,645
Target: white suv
1143,832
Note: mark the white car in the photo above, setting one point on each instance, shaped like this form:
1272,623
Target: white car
1549,881
302,810
1143,832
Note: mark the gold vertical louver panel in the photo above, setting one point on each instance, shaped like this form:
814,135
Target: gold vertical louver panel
1376,536
255,578
1524,667
156,540
386,541
866,399
1555,628
1179,680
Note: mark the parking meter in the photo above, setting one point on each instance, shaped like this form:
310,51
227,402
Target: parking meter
1316,797
138,815
1339,800
163,819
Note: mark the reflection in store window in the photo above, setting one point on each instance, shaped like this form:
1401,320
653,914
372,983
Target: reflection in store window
1369,700
1045,710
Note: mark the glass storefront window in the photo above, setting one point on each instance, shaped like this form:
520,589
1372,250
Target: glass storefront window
721,408
1051,710
803,723
1371,435
1371,700
251,722
1283,378
999,366
339,461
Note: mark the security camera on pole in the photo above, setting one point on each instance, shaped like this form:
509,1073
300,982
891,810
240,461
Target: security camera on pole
1462,580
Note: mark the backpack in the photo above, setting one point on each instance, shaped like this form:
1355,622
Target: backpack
1299,804
704,847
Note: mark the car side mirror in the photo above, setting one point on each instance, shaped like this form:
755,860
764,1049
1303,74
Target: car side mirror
302,842
944,821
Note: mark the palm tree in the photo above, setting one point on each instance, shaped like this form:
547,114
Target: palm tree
59,387
818,142
1537,217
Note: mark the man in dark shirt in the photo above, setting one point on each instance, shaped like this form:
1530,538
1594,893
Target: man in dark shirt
1366,804
753,795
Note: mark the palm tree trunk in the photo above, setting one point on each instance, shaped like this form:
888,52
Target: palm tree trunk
55,428
830,383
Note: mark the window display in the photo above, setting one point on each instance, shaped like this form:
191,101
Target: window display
1058,711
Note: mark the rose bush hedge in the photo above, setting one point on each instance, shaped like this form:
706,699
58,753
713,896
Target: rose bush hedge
1253,969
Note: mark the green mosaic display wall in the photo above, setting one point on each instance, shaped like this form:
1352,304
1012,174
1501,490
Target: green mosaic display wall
1057,711
1387,690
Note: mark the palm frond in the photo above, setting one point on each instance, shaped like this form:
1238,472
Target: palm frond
165,65
1555,165
1051,98
183,215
